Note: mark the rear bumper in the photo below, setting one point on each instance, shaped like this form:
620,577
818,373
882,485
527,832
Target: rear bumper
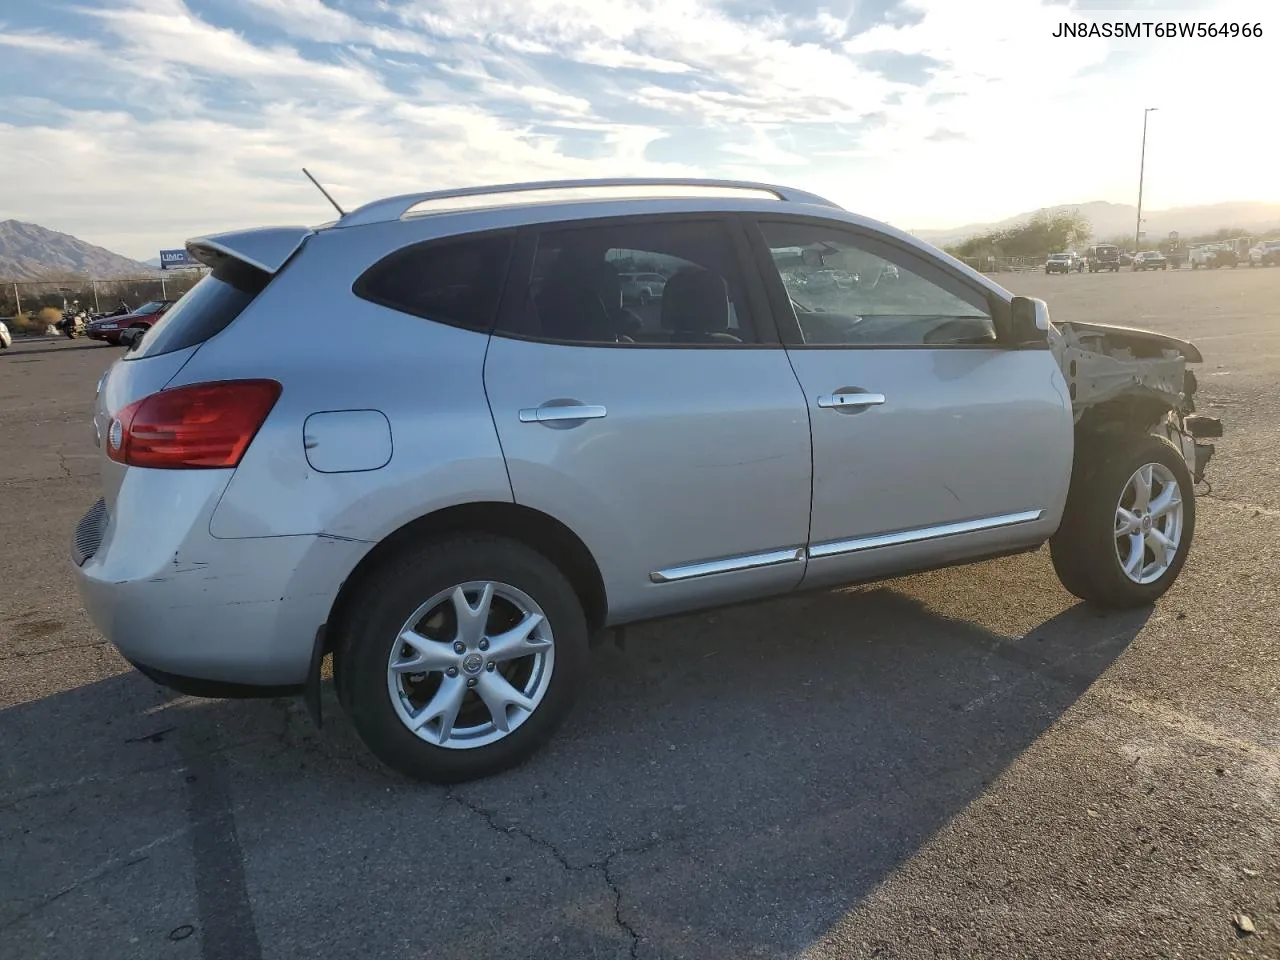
195,611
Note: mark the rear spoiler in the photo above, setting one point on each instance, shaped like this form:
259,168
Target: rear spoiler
267,248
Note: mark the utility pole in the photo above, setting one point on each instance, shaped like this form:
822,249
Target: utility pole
1142,169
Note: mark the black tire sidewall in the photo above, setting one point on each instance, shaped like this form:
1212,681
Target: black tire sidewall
1086,539
390,597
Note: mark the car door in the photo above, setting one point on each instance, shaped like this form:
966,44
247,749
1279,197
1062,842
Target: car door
933,441
672,437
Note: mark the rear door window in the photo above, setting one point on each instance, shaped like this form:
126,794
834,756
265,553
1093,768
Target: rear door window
456,281
587,284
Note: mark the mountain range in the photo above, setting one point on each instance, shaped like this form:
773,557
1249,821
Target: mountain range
1119,219
32,252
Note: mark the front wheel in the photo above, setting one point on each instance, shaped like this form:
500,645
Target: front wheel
1128,523
460,658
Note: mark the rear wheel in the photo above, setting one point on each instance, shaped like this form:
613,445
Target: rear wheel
1128,523
460,658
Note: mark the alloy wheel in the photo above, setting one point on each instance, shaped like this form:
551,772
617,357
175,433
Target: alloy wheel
471,665
1148,525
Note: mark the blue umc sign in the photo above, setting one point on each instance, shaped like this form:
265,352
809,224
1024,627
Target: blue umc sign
176,258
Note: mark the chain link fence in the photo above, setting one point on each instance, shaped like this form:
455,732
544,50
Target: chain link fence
26,298
992,264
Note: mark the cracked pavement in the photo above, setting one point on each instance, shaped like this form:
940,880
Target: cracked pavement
965,763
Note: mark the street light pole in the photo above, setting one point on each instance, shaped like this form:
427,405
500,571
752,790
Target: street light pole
1142,169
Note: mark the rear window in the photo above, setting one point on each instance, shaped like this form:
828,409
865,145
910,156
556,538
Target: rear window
206,309
457,281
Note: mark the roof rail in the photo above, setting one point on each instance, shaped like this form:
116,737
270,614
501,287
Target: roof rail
394,208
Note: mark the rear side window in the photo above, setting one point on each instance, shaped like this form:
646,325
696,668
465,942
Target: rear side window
456,281
206,309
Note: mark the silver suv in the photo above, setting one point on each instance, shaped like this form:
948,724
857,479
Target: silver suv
428,439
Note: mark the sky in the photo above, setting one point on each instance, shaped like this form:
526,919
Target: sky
135,124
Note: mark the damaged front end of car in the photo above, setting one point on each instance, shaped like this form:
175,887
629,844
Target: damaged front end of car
1126,380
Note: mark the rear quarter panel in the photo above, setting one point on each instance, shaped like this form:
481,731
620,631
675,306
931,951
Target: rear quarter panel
332,351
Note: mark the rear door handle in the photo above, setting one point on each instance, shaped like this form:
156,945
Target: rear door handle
573,411
835,401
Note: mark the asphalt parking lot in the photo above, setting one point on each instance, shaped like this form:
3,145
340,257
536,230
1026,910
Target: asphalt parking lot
961,764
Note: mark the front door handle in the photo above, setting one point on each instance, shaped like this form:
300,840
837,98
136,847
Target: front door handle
837,401
562,412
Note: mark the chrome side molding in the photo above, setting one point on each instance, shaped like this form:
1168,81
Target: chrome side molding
836,548
728,565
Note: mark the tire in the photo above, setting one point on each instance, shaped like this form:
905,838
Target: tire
390,600
1085,549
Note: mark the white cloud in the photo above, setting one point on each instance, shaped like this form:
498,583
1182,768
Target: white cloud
211,124
315,20
166,31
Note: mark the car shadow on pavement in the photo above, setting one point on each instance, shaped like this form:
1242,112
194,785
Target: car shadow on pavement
731,784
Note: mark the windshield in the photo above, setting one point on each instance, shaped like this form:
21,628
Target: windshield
151,307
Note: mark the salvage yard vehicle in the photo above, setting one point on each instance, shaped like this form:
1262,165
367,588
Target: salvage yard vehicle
1212,256
120,329
458,503
1150,260
1266,253
1103,256
6,338
1059,263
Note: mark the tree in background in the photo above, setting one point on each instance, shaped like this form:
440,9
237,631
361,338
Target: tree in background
1045,233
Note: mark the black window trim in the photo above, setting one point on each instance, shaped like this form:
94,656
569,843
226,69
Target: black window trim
757,302
905,256
361,290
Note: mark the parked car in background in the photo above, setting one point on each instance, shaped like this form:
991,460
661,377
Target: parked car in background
1150,260
1102,256
1265,253
642,288
1126,258
555,479
110,329
1212,256
827,279
6,338
1059,263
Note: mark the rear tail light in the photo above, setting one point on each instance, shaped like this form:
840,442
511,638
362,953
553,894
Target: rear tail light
203,425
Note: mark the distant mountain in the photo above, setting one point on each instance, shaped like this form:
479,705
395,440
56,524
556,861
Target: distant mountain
1112,219
32,252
